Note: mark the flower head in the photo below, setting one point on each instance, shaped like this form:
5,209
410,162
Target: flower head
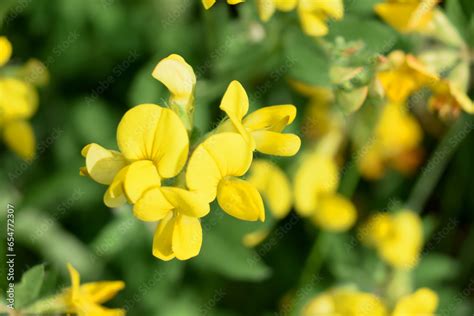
87,299
261,129
422,302
18,103
407,15
398,237
209,3
313,14
404,75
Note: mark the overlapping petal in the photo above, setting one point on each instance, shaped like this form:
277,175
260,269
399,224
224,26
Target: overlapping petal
102,164
139,177
150,132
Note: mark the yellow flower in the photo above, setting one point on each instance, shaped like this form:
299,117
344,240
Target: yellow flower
345,302
397,133
18,103
262,128
449,100
209,3
213,171
405,75
153,145
178,76
407,15
179,233
398,237
313,14
423,302
274,186
316,183
5,50
86,299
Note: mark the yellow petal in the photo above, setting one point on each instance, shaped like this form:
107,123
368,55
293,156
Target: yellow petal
75,281
101,292
273,118
240,198
334,213
278,144
19,136
102,164
313,24
140,176
187,202
253,239
163,238
333,8
235,104
5,50
150,132
461,99
187,237
208,3
18,100
266,9
152,206
178,76
233,2
423,302
274,186
115,196
285,5
221,155
317,174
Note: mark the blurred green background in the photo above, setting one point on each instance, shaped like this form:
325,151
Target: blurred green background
100,54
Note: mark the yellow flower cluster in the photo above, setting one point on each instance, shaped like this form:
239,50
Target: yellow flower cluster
349,302
398,237
154,145
18,103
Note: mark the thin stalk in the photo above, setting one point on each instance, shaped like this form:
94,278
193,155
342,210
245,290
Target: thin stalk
438,161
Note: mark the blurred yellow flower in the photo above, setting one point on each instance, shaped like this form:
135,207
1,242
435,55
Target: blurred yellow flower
407,15
403,74
153,145
274,186
398,237
449,100
213,171
178,76
5,50
87,299
315,188
345,302
397,133
313,14
18,103
262,128
209,3
423,302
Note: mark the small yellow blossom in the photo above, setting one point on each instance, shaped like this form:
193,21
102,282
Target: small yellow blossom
423,302
274,186
5,50
178,76
214,169
404,75
315,188
449,100
397,133
397,237
262,128
18,103
407,15
87,299
345,302
209,3
313,14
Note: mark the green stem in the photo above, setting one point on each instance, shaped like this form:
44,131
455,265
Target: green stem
438,161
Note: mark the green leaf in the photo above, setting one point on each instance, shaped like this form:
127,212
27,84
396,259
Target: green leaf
309,61
28,290
435,268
